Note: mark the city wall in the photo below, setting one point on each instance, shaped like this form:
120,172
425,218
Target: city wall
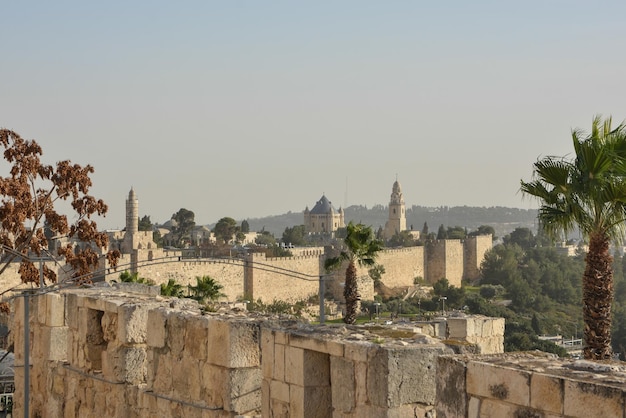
295,278
123,351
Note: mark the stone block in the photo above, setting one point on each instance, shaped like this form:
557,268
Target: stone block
357,350
267,353
281,337
213,385
394,373
310,342
265,398
54,340
450,387
243,387
71,310
54,310
93,302
496,408
234,343
160,377
156,328
125,365
546,393
306,367
342,378
176,328
459,327
196,337
501,383
279,362
310,402
132,323
591,399
473,410
279,391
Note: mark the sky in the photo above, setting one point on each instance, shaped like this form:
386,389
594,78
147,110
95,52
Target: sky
250,109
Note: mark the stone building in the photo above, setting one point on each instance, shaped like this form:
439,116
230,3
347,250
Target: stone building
323,218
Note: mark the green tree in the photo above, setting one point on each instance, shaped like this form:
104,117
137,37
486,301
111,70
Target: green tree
441,232
456,232
424,230
171,288
484,230
225,229
402,239
245,226
588,192
206,289
128,277
360,246
185,222
522,237
265,238
294,235
145,224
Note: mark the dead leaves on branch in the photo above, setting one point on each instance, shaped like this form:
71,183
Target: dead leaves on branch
28,196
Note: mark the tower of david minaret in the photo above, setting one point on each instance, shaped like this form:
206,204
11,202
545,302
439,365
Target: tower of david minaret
132,222
397,215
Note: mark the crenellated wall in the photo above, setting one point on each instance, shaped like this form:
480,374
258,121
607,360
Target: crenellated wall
125,352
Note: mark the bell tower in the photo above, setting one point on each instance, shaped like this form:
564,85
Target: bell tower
397,214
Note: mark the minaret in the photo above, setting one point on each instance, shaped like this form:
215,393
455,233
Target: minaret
132,212
131,235
397,214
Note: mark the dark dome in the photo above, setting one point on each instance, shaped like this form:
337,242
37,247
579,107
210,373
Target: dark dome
322,207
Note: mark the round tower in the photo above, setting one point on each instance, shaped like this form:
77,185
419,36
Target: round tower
132,212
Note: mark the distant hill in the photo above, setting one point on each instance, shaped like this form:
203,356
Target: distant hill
502,219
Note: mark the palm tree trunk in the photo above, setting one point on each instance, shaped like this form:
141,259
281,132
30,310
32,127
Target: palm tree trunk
597,299
351,294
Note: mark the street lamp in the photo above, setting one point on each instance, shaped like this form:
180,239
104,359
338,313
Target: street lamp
377,305
443,304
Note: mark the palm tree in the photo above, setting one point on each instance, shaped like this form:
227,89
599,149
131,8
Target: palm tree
171,288
360,247
588,192
206,288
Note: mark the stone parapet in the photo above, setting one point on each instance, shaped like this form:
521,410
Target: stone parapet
529,385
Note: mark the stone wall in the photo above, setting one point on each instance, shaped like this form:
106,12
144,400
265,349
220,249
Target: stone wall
529,385
474,249
124,351
445,259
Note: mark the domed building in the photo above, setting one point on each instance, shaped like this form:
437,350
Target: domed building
323,218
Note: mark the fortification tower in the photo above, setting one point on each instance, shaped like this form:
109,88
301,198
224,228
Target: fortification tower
397,214
132,223
323,218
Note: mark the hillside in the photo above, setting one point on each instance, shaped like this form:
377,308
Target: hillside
502,219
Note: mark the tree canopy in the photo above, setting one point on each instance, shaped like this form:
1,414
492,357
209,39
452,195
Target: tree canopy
225,229
28,211
588,192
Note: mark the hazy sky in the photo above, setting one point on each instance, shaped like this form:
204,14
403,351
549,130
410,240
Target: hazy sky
256,108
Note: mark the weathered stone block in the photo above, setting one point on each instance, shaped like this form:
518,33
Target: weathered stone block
160,377
306,368
546,393
196,337
156,328
71,310
496,408
267,350
592,399
243,390
357,350
93,302
234,343
54,340
176,329
54,310
125,364
394,373
279,362
265,398
342,385
279,391
311,342
450,388
132,324
310,402
502,383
